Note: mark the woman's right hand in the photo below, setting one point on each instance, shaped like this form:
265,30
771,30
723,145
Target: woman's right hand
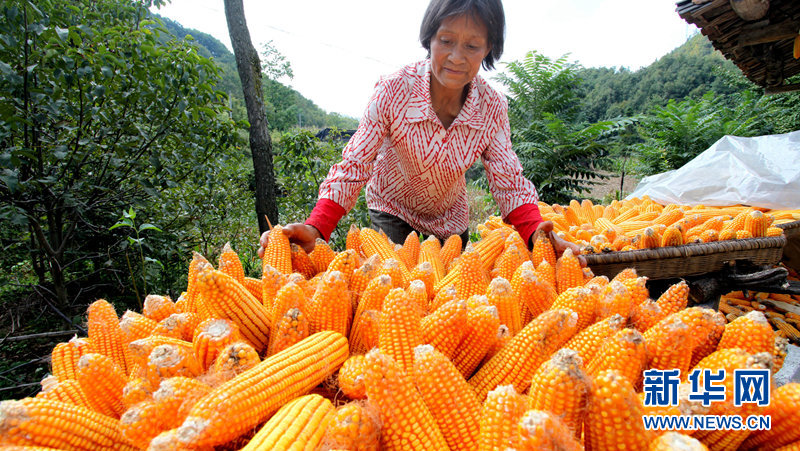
301,234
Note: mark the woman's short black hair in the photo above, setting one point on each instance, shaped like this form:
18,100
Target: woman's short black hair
490,12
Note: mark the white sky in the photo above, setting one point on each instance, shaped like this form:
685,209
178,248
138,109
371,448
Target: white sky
339,49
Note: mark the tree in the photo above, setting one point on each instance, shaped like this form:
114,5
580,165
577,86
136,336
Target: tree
98,115
249,67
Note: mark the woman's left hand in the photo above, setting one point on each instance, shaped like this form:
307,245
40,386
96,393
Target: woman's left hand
560,244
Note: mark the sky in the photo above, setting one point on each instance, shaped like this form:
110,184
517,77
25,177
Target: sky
339,49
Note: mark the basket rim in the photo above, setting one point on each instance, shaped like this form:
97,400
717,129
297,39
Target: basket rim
789,225
686,250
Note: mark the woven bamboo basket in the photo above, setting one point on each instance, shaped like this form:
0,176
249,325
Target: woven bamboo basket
790,229
688,259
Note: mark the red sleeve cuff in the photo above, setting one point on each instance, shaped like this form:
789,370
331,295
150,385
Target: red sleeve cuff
526,218
325,216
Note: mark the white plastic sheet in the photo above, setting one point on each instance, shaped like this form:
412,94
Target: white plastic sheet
763,171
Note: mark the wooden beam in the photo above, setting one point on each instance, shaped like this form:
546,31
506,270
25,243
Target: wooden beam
772,33
781,89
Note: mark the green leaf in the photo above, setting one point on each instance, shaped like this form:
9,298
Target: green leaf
147,226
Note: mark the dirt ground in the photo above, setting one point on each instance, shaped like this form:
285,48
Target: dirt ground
611,186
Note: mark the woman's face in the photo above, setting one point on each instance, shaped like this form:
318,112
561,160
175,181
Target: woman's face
457,50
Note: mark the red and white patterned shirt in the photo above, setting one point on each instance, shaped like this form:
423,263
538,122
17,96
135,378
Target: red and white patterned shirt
414,167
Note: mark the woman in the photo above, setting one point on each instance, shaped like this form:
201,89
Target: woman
425,125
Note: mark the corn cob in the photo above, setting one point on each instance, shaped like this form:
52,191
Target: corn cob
533,292
174,399
234,359
271,281
298,425
773,231
178,325
105,334
372,243
210,337
102,380
450,250
540,429
756,223
169,360
371,299
361,277
543,250
278,251
672,440
168,441
489,249
429,252
472,280
290,329
511,258
675,298
672,236
750,332
560,386
64,357
135,326
140,424
588,341
254,286
355,426
230,264
136,390
191,300
479,334
500,295
501,339
228,299
582,301
409,252
625,353
68,391
705,328
330,307
646,315
345,262
353,239
366,336
140,349
253,396
444,328
288,297
669,345
417,295
519,359
54,424
400,330
499,417
158,307
351,377
448,396
301,262
637,289
406,421
613,419
782,409
568,272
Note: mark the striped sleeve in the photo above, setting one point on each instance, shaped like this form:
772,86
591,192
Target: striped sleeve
346,178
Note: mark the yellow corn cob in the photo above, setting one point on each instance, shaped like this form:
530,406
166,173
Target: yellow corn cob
540,429
54,424
322,256
782,409
588,341
509,261
136,390
481,328
135,326
372,243
345,262
253,396
355,426
406,421
409,252
366,336
353,239
650,239
68,391
400,331
560,385
637,289
105,335
234,359
298,425
288,297
673,236
228,299
582,301
290,329
499,417
351,377
429,252
417,294
780,351
625,216
535,294
669,345
449,397
254,286
158,307
169,360
140,424
191,302
613,419
488,248
102,380
278,251
371,299
442,297
301,262
64,357
519,359
743,234
175,397
210,337
451,249
547,273
330,307
444,328
669,217
360,280
750,332
675,298
178,325
501,339
756,223
646,315
672,440
624,352
543,250
271,281
140,349
230,264
394,269
500,294
568,272
773,231
571,215
616,298
705,328
471,280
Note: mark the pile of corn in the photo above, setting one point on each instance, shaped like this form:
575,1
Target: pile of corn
426,348
641,223
781,310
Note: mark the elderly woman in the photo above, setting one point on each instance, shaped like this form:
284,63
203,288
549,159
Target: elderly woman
424,126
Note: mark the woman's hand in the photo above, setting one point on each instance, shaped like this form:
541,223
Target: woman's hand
303,235
560,244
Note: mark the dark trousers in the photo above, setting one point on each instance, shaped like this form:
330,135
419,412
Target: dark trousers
397,230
